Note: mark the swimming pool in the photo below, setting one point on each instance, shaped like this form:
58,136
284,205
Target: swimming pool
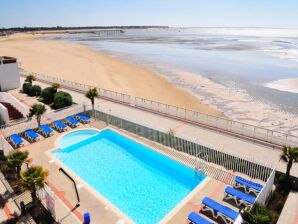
139,181
76,136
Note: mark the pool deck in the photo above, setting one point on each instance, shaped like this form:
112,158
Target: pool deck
100,209
204,136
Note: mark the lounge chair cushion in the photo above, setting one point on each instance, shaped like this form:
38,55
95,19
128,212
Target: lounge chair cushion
46,128
59,124
197,219
32,134
83,117
248,183
240,195
16,139
72,120
220,208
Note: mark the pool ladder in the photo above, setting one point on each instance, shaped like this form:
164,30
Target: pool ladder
199,166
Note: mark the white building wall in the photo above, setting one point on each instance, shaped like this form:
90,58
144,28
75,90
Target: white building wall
8,98
4,118
9,76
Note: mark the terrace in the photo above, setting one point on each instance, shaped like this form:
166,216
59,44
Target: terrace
176,137
184,150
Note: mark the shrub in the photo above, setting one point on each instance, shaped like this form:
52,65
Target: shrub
62,99
258,215
34,90
26,87
47,95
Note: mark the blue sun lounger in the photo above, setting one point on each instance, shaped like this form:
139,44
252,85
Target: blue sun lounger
31,135
16,140
247,185
83,118
197,219
59,125
46,130
239,197
227,214
71,122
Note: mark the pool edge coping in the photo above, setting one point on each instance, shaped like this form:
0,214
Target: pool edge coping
104,200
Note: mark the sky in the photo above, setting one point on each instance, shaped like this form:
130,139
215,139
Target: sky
176,13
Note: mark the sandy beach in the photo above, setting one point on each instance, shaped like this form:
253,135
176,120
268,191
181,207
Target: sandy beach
81,64
288,85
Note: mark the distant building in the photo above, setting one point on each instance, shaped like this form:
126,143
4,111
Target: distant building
9,73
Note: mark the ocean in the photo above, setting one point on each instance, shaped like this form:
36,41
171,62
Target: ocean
233,67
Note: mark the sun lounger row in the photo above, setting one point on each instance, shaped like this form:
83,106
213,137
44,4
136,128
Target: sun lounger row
227,214
46,130
16,140
217,210
247,185
239,197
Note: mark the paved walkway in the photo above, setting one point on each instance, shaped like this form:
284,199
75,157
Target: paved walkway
289,214
204,136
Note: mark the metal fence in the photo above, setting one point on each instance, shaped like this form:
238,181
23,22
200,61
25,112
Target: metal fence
238,129
218,123
218,164
231,162
83,88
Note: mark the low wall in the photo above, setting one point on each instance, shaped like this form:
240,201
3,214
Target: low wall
8,98
60,212
4,117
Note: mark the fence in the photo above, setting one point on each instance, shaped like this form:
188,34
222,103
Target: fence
238,129
227,160
218,164
217,123
83,88
47,118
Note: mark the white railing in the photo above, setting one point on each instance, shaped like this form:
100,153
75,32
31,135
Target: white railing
8,98
238,129
59,211
58,115
218,123
6,147
46,119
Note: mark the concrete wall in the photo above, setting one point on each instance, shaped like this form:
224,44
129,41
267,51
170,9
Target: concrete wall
9,76
4,118
9,98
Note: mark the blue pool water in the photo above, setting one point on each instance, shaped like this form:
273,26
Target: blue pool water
76,136
142,183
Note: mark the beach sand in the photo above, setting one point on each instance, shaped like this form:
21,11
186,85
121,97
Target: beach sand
81,64
288,85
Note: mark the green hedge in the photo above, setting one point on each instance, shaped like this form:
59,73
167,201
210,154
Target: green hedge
62,99
47,95
26,87
34,90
